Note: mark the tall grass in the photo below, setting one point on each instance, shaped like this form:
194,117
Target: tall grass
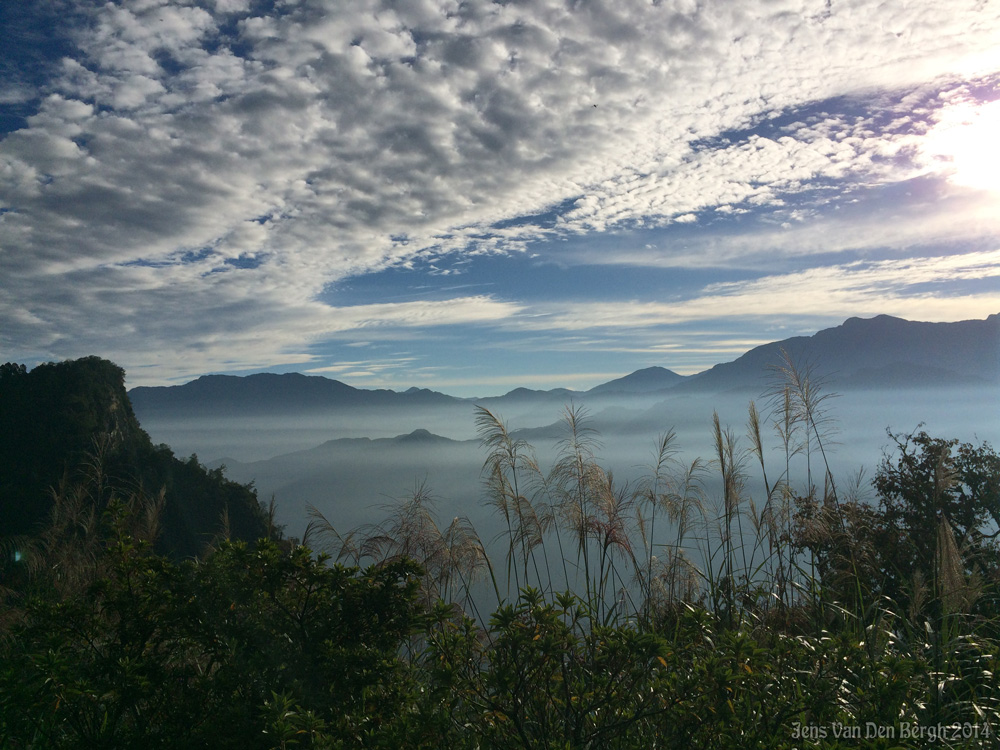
632,551
778,587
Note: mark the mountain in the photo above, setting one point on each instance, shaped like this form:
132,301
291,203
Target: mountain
530,396
265,393
883,351
346,478
421,437
880,352
269,394
69,427
648,380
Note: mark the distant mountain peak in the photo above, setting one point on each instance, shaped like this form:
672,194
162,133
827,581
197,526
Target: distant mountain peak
419,433
646,380
421,436
878,321
882,351
530,394
269,392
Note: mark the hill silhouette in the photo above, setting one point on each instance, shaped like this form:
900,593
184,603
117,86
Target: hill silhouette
648,380
266,393
879,352
875,352
65,420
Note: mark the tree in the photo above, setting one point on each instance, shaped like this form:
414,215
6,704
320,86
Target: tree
929,485
928,537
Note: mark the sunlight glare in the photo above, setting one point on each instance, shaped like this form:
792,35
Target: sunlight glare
965,141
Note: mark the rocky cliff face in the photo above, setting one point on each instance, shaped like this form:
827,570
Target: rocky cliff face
61,421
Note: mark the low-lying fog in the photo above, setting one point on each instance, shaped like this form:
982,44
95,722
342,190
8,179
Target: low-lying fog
351,481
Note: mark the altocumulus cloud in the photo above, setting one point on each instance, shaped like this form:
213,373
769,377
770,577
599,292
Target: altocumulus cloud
194,176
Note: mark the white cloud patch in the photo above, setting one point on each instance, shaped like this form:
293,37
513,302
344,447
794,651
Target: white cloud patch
195,176
372,367
914,288
897,227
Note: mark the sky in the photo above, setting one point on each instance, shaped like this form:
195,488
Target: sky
475,196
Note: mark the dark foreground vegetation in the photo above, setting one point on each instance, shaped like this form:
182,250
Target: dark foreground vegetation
685,611
61,420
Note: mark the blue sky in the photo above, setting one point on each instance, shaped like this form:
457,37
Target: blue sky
473,196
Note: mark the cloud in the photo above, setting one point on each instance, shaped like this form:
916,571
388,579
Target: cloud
369,367
921,214
196,176
230,320
914,288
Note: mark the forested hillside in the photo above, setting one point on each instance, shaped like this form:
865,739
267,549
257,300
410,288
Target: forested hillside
67,422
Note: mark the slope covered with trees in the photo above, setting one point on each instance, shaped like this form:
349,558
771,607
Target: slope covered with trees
69,420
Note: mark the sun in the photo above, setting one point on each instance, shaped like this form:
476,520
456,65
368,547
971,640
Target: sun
965,145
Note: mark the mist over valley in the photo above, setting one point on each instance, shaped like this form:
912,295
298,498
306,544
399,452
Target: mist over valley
350,453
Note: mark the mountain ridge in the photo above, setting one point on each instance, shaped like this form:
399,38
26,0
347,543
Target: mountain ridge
861,345
883,351
646,380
